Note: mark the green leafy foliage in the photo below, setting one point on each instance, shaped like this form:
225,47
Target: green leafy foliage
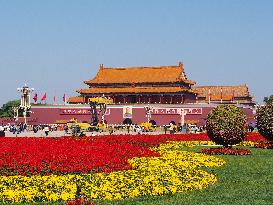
7,108
226,125
269,99
264,116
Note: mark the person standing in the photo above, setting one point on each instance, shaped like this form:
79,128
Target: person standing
111,130
128,129
165,129
46,129
171,128
2,131
35,128
65,129
13,129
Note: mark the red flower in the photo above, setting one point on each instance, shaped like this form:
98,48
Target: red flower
226,151
32,155
264,145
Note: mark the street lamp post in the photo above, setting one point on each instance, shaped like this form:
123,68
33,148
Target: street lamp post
15,113
25,100
183,114
148,112
103,108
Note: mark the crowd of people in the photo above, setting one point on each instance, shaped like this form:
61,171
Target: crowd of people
16,129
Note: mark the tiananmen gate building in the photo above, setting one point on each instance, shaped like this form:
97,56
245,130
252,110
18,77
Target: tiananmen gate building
165,89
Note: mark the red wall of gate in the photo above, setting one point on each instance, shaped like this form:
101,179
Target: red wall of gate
115,115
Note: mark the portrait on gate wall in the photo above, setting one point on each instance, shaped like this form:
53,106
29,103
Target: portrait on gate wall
127,112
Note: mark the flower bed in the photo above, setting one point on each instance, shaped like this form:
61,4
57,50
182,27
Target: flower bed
80,201
255,137
108,167
264,145
69,155
28,156
174,171
226,151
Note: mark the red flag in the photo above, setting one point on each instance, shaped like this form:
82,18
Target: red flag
35,97
44,97
64,98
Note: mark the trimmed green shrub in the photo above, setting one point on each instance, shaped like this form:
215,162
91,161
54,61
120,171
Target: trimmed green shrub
264,116
226,125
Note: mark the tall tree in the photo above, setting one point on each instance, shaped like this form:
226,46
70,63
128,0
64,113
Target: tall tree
269,99
7,108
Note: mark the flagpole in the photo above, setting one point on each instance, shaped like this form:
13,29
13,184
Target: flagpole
221,95
64,99
209,96
233,96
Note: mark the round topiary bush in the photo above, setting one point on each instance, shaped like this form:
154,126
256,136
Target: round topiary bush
264,116
226,125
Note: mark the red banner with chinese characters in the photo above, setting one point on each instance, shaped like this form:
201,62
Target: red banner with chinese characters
79,111
176,111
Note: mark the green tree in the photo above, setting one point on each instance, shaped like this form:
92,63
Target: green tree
264,118
7,108
269,99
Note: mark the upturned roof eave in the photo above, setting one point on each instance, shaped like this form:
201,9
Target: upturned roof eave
87,91
96,82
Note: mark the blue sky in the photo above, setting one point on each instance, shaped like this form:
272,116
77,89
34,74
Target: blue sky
55,45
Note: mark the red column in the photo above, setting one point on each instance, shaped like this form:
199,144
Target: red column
139,99
149,99
124,99
175,99
182,99
171,100
114,99
160,99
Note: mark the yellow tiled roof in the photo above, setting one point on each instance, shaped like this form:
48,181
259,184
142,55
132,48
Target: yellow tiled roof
140,75
77,99
227,93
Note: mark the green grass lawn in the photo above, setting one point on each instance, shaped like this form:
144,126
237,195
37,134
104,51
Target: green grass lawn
243,180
